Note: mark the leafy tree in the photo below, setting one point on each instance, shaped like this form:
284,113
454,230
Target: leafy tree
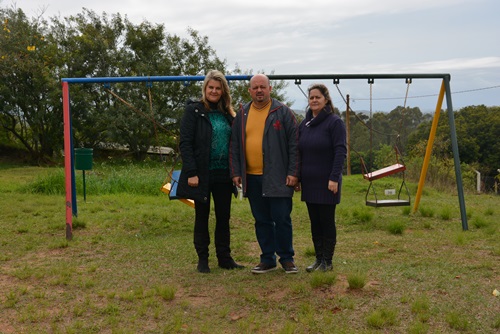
29,107
88,46
131,114
478,132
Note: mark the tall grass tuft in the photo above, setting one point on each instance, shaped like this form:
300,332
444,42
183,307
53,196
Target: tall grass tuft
52,183
421,307
445,213
322,279
496,323
396,227
356,280
457,321
418,328
426,212
362,215
166,292
78,224
104,179
406,211
382,317
479,222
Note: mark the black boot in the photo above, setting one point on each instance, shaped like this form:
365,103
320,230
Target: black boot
328,250
201,243
318,249
202,252
203,265
229,263
314,266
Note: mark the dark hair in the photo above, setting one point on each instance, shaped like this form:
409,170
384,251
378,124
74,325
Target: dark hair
324,91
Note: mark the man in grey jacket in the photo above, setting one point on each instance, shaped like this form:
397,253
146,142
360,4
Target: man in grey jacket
264,161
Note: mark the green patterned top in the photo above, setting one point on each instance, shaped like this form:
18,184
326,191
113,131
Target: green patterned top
221,133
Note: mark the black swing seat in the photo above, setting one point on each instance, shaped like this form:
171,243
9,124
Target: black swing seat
387,202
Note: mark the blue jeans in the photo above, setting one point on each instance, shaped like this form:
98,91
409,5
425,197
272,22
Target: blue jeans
273,224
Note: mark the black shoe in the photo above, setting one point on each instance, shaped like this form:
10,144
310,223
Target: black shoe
314,266
290,267
263,268
324,266
231,264
203,266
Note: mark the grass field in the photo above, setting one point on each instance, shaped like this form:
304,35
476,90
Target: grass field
131,266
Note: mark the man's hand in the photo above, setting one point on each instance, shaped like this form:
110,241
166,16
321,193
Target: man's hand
237,181
291,181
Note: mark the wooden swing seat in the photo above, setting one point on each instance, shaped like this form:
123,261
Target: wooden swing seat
378,174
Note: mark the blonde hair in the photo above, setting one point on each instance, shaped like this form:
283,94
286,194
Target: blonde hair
225,102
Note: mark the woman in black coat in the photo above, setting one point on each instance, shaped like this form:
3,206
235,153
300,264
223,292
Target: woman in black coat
322,147
204,146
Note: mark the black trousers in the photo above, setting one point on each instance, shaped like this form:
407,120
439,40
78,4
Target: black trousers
221,194
323,229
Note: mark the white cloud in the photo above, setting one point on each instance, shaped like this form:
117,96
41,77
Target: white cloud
330,36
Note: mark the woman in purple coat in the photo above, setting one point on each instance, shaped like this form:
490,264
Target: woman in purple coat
322,147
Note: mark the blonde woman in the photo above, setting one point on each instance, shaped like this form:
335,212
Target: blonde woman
204,146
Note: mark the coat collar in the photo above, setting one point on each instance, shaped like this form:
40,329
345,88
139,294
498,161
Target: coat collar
324,113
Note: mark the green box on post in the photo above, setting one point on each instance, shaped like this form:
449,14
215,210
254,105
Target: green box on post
83,158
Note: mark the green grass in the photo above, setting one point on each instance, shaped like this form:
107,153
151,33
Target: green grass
131,266
356,280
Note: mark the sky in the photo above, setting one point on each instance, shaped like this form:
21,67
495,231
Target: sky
459,37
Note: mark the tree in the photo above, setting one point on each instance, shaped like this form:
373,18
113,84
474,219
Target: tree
130,114
88,46
478,133
478,137
29,105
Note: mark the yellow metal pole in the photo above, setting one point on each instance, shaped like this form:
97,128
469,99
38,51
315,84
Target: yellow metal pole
428,151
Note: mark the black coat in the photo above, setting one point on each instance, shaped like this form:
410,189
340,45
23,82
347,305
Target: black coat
195,146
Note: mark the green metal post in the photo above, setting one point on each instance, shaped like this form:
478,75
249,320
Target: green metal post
84,187
456,157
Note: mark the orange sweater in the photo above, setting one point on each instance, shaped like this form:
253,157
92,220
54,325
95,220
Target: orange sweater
254,134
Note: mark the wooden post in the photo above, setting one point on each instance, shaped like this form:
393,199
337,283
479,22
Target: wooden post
348,135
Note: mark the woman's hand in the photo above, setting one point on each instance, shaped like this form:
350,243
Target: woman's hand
193,181
333,186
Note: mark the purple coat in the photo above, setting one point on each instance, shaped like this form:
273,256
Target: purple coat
322,148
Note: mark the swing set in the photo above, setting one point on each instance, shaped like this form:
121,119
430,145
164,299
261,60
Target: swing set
170,183
371,198
399,168
172,180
